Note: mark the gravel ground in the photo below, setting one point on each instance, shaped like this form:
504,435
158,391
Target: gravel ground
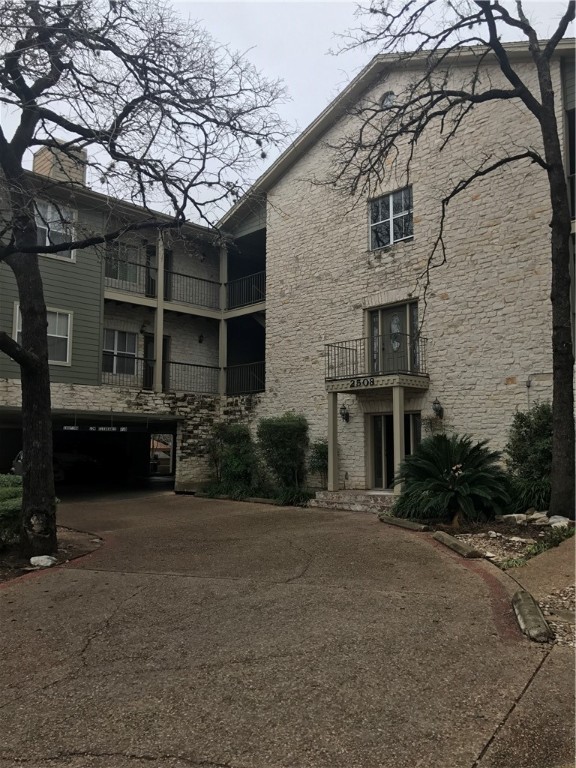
558,607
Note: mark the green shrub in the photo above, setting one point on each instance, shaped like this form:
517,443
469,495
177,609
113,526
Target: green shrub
10,506
452,477
10,492
529,492
10,481
318,460
293,497
283,443
529,457
233,456
529,447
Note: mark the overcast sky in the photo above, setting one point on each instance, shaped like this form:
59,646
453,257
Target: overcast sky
291,40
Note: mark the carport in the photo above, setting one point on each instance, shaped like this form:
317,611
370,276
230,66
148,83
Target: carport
119,443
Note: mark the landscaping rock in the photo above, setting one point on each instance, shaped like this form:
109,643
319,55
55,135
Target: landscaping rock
513,518
558,521
493,534
530,617
542,521
43,561
536,516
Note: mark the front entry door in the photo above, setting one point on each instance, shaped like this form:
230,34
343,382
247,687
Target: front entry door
383,460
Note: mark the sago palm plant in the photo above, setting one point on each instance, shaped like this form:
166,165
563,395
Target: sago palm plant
452,477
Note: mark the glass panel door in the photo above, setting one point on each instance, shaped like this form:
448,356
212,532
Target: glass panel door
383,451
393,340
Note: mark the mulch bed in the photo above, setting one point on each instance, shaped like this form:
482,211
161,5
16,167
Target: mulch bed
71,544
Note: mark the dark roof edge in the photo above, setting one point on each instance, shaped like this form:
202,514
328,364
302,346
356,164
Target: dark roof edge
338,106
89,197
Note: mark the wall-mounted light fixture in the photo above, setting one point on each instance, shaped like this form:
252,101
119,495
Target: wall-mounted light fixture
200,338
437,408
344,413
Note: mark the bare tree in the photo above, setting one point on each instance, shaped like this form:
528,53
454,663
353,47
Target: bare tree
431,38
162,115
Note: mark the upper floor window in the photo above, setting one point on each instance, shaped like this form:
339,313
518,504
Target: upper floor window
119,352
391,218
121,262
387,100
59,334
55,225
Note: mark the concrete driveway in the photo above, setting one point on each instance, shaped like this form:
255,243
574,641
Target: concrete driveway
224,635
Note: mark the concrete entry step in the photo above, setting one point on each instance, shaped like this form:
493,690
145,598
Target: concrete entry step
374,502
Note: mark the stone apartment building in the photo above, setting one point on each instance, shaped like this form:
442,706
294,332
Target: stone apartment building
351,340
160,333
165,334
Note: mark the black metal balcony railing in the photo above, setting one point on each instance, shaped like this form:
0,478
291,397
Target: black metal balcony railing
187,377
191,290
247,290
124,370
376,355
245,379
130,277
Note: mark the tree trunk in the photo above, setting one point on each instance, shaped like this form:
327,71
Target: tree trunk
563,470
38,517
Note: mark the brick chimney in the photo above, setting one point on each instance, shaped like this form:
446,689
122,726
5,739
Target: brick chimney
57,165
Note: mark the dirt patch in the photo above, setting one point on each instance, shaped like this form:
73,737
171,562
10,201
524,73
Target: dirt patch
71,544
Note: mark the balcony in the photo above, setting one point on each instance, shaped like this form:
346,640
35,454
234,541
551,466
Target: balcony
127,371
141,280
374,362
245,291
245,379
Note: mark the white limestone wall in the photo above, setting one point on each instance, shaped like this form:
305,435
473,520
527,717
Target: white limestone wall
487,312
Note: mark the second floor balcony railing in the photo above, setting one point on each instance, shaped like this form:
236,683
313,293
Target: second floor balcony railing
246,290
245,379
188,377
376,355
125,370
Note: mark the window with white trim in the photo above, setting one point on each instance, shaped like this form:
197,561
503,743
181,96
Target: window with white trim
119,352
391,218
121,262
59,334
55,225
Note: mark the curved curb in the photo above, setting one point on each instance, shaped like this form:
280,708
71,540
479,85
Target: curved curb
456,545
530,617
30,573
401,523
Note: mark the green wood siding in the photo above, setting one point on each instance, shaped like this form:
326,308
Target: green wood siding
76,287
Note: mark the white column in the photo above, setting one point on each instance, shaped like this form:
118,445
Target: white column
159,323
332,441
398,419
222,356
